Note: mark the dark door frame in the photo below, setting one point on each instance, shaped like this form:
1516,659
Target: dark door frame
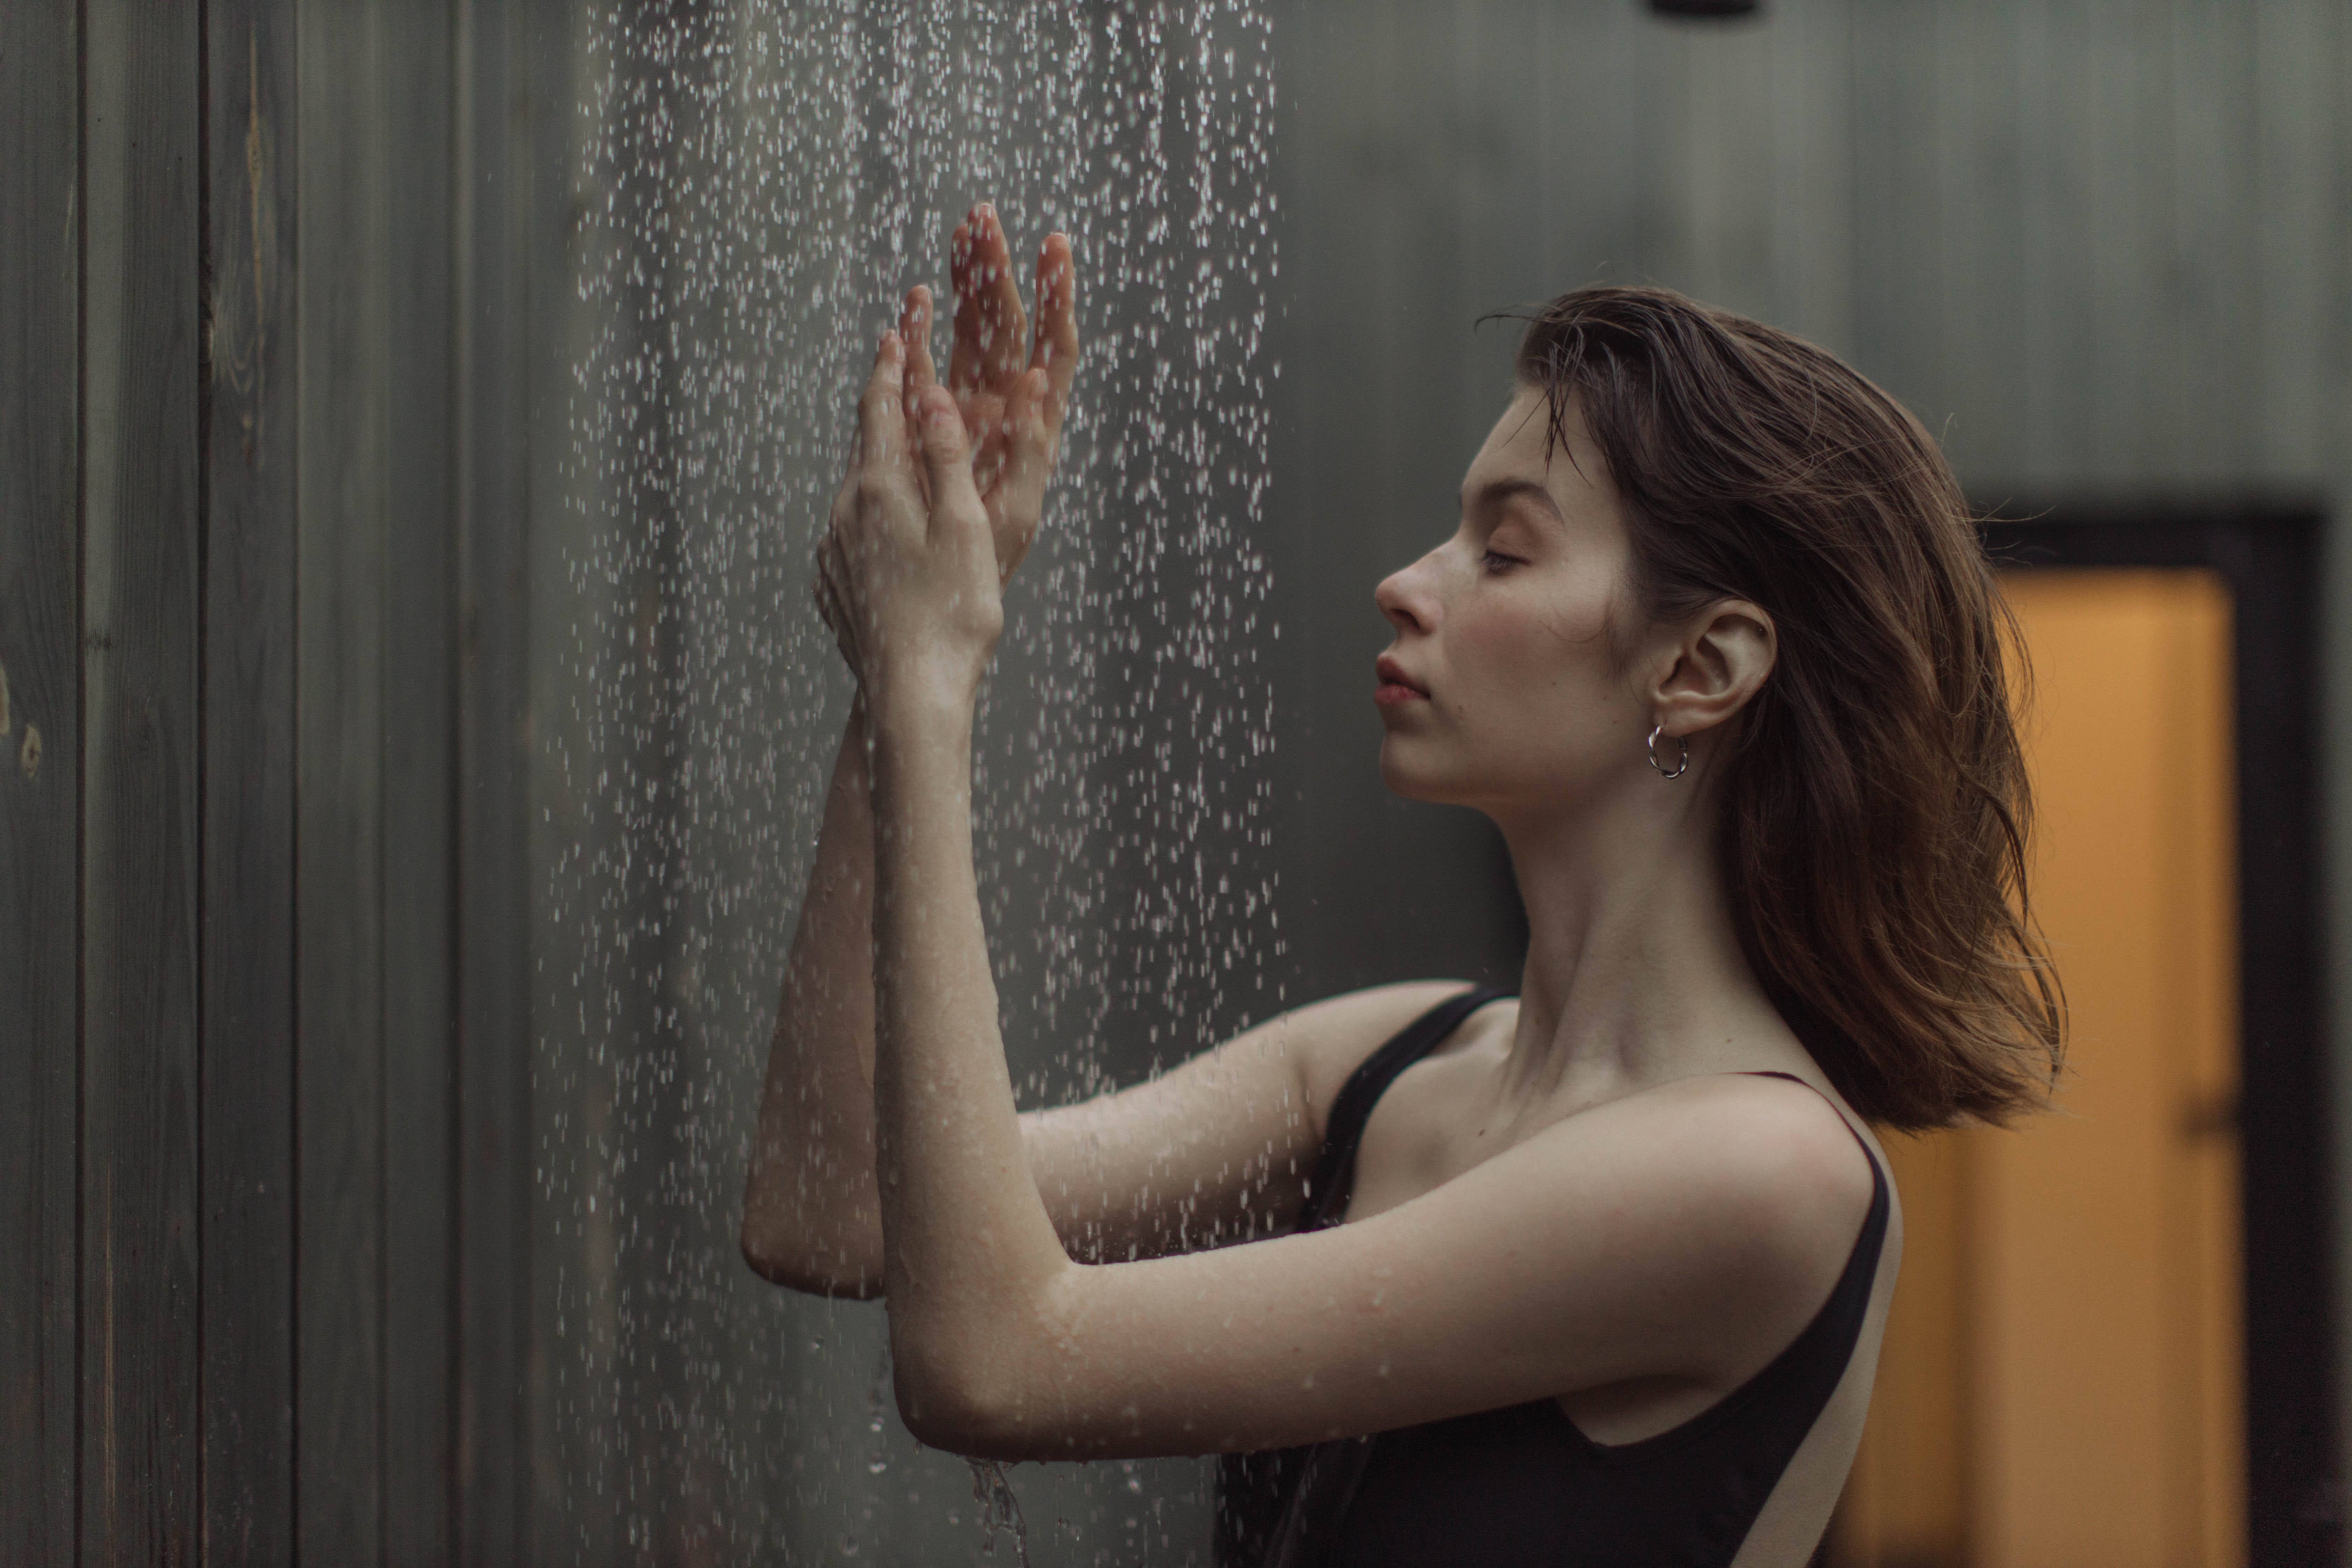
2269,552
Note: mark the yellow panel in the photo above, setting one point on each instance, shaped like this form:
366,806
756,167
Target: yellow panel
2105,1351
2062,1381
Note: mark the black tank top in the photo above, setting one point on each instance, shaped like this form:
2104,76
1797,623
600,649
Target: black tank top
1523,1486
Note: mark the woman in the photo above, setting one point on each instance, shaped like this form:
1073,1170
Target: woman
1715,645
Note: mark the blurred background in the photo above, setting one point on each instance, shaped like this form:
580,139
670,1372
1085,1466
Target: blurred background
416,724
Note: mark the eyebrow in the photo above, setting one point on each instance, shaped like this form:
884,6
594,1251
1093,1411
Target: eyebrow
1495,492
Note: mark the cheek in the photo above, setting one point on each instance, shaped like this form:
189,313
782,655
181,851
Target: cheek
1525,648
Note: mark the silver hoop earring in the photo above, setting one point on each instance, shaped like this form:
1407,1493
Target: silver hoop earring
1681,767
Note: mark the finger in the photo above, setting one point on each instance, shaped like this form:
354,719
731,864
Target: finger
946,453
821,591
915,326
1057,350
1029,457
964,356
1005,322
881,412
822,586
828,603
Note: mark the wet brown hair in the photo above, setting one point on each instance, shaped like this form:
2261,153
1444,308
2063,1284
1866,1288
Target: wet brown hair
1876,808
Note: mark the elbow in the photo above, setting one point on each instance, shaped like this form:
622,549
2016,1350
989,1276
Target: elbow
807,1270
951,1414
953,1402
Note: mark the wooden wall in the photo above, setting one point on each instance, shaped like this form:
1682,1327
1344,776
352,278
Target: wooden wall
251,477
282,294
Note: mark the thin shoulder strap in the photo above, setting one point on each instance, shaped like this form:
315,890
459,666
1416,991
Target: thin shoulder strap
1858,1138
1874,1224
1353,1107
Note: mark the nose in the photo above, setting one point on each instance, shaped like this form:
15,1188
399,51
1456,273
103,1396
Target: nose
1408,599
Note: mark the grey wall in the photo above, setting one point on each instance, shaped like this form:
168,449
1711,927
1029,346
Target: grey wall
263,1216
303,542
2100,249
2103,249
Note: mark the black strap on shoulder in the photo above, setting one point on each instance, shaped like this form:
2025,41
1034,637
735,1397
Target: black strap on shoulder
1353,1106
1877,1175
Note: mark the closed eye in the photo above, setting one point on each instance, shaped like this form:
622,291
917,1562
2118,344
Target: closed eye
1496,563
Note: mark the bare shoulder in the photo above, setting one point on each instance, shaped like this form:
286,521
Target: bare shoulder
1766,1164
1329,1039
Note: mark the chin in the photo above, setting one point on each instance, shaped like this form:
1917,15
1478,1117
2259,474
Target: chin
1413,779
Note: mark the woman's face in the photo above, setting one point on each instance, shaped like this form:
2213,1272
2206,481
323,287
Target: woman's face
1501,689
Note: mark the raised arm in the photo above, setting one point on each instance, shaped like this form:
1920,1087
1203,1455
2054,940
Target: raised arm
809,1213
1217,1149
1214,1149
1685,1232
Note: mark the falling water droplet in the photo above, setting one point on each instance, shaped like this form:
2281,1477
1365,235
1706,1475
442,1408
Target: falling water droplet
753,183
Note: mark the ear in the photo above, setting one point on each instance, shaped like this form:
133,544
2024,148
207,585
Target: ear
1718,662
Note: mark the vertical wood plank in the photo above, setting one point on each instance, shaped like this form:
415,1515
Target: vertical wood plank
2129,242
1812,211
1978,177
1898,268
2298,115
419,824
493,996
40,772
1659,107
342,477
140,1438
2055,359
247,1114
1732,155
1588,196
2210,416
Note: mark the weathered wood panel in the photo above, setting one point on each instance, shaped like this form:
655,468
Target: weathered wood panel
2210,416
1806,56
342,477
1977,166
40,774
140,1428
1898,268
2120,242
247,1115
420,870
494,1159
2299,125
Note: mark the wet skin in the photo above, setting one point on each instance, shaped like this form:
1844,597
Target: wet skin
1575,1201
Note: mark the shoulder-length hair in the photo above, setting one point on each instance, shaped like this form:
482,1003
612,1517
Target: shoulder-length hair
1875,803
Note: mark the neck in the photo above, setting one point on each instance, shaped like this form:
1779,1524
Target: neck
1634,975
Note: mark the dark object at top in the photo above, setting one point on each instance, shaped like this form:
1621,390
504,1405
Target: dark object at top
1704,8
1502,1488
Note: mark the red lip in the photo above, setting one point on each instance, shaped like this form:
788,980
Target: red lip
1395,684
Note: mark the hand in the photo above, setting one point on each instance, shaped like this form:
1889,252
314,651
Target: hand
904,575
995,394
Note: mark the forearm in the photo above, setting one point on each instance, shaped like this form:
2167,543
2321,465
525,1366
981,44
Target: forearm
968,1242
810,1212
